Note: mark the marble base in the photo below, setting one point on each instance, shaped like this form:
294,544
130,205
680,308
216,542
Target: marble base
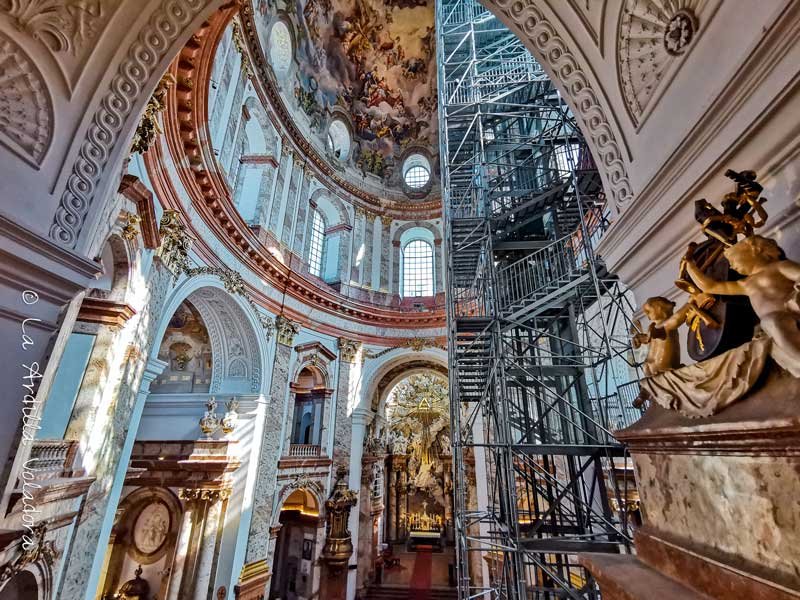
718,498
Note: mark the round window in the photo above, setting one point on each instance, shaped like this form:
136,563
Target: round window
339,139
280,48
416,171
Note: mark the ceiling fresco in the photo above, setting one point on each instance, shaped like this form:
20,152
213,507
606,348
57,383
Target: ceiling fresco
374,63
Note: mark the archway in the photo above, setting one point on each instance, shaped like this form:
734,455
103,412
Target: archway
22,585
297,546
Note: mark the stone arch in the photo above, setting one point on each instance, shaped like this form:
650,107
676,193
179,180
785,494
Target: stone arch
106,140
431,234
394,367
34,582
314,487
571,74
117,259
234,331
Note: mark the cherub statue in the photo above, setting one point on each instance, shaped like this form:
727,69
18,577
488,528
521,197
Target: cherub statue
664,352
772,284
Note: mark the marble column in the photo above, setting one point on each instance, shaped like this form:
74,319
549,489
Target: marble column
259,549
369,249
361,417
205,570
349,351
299,235
182,545
386,254
438,266
280,190
396,286
357,251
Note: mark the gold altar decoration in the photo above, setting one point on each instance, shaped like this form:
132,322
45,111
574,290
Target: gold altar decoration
338,546
134,589
422,521
733,261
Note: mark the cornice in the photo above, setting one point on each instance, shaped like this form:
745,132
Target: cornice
185,125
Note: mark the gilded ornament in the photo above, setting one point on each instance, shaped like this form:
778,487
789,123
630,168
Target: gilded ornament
130,227
175,242
348,349
148,127
286,330
210,421
338,546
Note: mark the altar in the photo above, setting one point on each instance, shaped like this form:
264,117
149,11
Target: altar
424,530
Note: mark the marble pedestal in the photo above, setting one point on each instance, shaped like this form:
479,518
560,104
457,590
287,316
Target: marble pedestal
719,498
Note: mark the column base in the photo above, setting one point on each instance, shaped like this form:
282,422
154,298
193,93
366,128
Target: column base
253,582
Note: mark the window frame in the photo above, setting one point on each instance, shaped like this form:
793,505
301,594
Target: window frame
424,276
316,244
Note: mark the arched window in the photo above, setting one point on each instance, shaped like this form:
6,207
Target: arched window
418,269
317,244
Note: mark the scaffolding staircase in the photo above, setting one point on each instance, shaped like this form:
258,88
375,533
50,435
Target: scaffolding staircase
537,326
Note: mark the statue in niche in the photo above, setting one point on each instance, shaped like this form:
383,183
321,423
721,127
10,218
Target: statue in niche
751,267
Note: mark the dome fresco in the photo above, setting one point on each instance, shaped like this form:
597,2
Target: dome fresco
372,64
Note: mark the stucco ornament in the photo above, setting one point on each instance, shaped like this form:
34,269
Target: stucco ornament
26,126
287,330
62,26
541,36
348,349
651,37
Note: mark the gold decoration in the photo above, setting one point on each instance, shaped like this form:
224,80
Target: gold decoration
286,329
37,550
175,242
772,284
348,349
130,227
231,418
210,422
148,127
338,546
241,48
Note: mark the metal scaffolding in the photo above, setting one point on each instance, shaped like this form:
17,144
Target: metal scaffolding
537,328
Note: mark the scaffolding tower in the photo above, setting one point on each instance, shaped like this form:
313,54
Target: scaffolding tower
540,366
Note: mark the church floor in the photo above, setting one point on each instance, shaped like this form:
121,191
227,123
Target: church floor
418,573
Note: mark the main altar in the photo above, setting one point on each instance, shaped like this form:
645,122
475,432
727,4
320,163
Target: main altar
418,466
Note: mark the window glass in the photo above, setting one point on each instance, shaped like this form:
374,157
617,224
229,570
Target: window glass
317,244
418,269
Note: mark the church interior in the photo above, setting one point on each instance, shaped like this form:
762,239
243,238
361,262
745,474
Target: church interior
400,299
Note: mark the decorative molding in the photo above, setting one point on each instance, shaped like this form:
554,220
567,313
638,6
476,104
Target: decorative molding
554,52
26,126
135,191
348,349
651,37
167,23
148,128
175,243
105,312
286,329
317,349
61,26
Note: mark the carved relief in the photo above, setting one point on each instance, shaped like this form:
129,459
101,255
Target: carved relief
348,349
542,37
651,37
165,25
61,26
26,111
286,330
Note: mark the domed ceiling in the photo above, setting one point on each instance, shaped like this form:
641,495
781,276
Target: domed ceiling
370,64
